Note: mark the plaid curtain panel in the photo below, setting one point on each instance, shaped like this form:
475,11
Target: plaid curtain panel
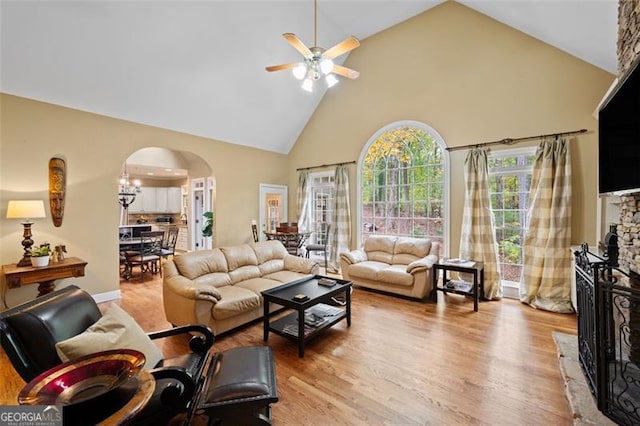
341,229
477,239
546,282
302,199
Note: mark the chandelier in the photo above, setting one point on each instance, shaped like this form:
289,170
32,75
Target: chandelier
127,192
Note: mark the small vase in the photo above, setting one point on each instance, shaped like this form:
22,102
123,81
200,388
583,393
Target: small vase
40,261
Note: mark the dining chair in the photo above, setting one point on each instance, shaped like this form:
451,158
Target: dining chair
148,254
324,233
254,230
169,242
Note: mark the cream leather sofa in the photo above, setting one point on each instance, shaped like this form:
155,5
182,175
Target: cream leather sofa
221,287
399,265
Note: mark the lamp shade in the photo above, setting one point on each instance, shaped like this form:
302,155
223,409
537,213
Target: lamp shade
25,209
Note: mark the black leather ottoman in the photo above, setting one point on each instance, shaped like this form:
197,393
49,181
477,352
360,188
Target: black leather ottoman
240,387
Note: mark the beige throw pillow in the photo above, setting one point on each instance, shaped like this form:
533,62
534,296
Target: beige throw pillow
115,330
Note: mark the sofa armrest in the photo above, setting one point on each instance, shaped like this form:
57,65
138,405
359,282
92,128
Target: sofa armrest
355,256
422,264
189,289
300,264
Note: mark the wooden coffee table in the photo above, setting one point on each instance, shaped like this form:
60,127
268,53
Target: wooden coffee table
292,326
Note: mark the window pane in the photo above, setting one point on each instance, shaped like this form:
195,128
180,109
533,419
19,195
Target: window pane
402,179
510,182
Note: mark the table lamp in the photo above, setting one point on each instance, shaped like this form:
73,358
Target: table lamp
26,209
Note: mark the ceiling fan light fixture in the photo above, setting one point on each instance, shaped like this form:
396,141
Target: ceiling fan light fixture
318,62
307,85
331,80
313,73
300,71
326,66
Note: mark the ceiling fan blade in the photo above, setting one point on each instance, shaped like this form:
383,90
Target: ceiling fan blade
297,44
345,72
282,66
344,46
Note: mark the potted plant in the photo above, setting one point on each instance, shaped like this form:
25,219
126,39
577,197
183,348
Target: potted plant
40,254
207,229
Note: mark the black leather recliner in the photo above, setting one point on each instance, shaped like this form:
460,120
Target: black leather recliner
29,332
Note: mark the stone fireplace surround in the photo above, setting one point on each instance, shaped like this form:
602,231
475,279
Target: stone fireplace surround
609,300
628,231
628,227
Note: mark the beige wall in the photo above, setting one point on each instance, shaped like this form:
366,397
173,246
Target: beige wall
472,79
94,148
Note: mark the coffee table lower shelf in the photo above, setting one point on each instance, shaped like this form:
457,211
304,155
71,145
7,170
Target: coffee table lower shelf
279,326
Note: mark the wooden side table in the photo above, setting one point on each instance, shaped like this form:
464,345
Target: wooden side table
449,286
18,276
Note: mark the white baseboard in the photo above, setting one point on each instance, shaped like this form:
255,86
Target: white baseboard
108,296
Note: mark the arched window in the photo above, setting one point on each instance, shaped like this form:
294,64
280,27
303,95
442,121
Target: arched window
403,183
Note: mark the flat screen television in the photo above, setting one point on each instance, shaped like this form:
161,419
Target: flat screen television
619,137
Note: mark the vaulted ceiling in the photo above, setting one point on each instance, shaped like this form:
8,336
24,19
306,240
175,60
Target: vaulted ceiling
198,66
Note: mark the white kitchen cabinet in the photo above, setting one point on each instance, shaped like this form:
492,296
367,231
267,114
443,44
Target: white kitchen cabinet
161,200
136,206
174,199
157,200
168,200
148,199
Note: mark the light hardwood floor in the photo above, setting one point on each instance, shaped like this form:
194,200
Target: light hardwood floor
402,362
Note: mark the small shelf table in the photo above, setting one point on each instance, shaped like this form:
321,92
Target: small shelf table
449,286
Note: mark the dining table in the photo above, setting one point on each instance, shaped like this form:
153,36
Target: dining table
294,242
130,243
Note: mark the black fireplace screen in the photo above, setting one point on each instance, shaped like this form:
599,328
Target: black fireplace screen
609,335
620,351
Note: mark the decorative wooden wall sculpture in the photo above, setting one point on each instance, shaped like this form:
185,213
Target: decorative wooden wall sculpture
57,189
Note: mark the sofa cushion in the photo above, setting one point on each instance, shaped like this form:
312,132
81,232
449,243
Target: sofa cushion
258,285
379,248
271,266
238,256
244,273
235,301
409,249
396,275
367,270
215,279
269,250
287,276
200,263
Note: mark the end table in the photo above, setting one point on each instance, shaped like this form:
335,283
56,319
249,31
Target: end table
449,286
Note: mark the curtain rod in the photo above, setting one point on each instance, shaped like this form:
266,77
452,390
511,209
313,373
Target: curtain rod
517,140
325,165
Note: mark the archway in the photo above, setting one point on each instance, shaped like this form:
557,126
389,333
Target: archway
167,187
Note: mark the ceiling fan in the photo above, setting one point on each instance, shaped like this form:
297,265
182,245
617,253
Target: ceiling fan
318,62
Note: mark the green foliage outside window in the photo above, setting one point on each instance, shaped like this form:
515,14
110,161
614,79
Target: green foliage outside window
403,185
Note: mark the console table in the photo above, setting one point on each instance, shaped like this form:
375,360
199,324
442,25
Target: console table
18,276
